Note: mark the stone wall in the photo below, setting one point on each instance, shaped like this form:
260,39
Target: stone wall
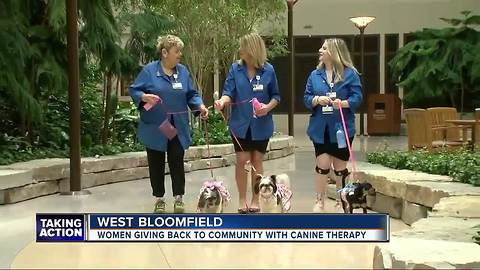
443,214
409,195
27,180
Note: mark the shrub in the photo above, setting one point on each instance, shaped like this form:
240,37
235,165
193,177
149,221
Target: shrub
462,165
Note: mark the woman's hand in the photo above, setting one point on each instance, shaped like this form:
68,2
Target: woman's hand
219,104
338,102
321,100
263,110
151,98
222,102
203,112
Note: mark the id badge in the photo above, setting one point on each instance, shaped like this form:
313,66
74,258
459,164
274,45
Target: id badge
258,87
177,85
327,109
332,95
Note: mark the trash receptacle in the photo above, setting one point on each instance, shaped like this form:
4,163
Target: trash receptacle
384,114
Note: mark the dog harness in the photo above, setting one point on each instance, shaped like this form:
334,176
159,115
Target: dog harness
285,195
348,189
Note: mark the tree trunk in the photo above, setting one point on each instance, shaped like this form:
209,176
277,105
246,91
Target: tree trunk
462,93
23,128
123,87
104,91
33,87
106,118
452,99
119,94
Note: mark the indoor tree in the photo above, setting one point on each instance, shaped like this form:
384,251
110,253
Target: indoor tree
441,63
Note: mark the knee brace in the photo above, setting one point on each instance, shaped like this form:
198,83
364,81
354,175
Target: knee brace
344,174
322,171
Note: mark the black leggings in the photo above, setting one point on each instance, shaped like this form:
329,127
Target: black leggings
156,168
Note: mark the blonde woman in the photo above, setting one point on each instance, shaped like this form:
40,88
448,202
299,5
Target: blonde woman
335,82
251,77
165,86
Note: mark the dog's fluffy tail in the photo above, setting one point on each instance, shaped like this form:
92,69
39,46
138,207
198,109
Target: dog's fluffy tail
283,179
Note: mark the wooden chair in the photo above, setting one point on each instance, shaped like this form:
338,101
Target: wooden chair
420,131
445,131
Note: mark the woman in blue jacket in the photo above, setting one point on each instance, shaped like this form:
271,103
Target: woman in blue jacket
250,77
162,92
335,82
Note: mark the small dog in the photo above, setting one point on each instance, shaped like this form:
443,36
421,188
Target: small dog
275,193
213,197
354,195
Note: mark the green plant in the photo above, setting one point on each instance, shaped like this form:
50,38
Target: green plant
211,29
9,156
125,123
33,50
54,130
462,165
441,64
145,27
217,130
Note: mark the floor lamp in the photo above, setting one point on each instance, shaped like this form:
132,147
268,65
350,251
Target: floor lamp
361,23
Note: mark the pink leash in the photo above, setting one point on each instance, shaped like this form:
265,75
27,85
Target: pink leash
352,158
235,137
149,106
233,134
208,149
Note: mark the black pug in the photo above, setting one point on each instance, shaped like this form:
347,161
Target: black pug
354,195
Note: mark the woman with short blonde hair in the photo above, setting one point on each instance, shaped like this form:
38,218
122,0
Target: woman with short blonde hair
165,86
250,77
333,84
167,42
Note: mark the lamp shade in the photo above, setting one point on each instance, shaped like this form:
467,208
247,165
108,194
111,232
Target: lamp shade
362,21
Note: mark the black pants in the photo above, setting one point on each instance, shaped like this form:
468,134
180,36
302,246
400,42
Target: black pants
156,168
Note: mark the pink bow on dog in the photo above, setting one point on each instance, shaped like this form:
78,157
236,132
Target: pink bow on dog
214,184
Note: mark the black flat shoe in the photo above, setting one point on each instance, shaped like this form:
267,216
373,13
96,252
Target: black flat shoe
253,209
243,210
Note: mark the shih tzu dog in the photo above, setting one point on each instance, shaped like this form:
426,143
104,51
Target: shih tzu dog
354,195
274,193
213,197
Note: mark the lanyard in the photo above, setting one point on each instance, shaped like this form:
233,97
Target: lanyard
175,74
257,77
331,85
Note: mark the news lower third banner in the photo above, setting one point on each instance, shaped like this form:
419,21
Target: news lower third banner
212,228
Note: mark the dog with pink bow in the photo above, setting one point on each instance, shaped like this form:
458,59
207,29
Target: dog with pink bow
213,197
274,192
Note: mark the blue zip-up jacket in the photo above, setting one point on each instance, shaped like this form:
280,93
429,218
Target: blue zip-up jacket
152,80
239,88
349,89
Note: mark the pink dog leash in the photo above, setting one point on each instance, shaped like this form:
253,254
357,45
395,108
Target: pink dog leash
234,136
352,158
207,142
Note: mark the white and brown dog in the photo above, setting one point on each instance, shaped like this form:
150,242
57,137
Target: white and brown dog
213,197
274,193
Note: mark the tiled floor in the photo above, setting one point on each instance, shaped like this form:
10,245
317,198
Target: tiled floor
18,249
